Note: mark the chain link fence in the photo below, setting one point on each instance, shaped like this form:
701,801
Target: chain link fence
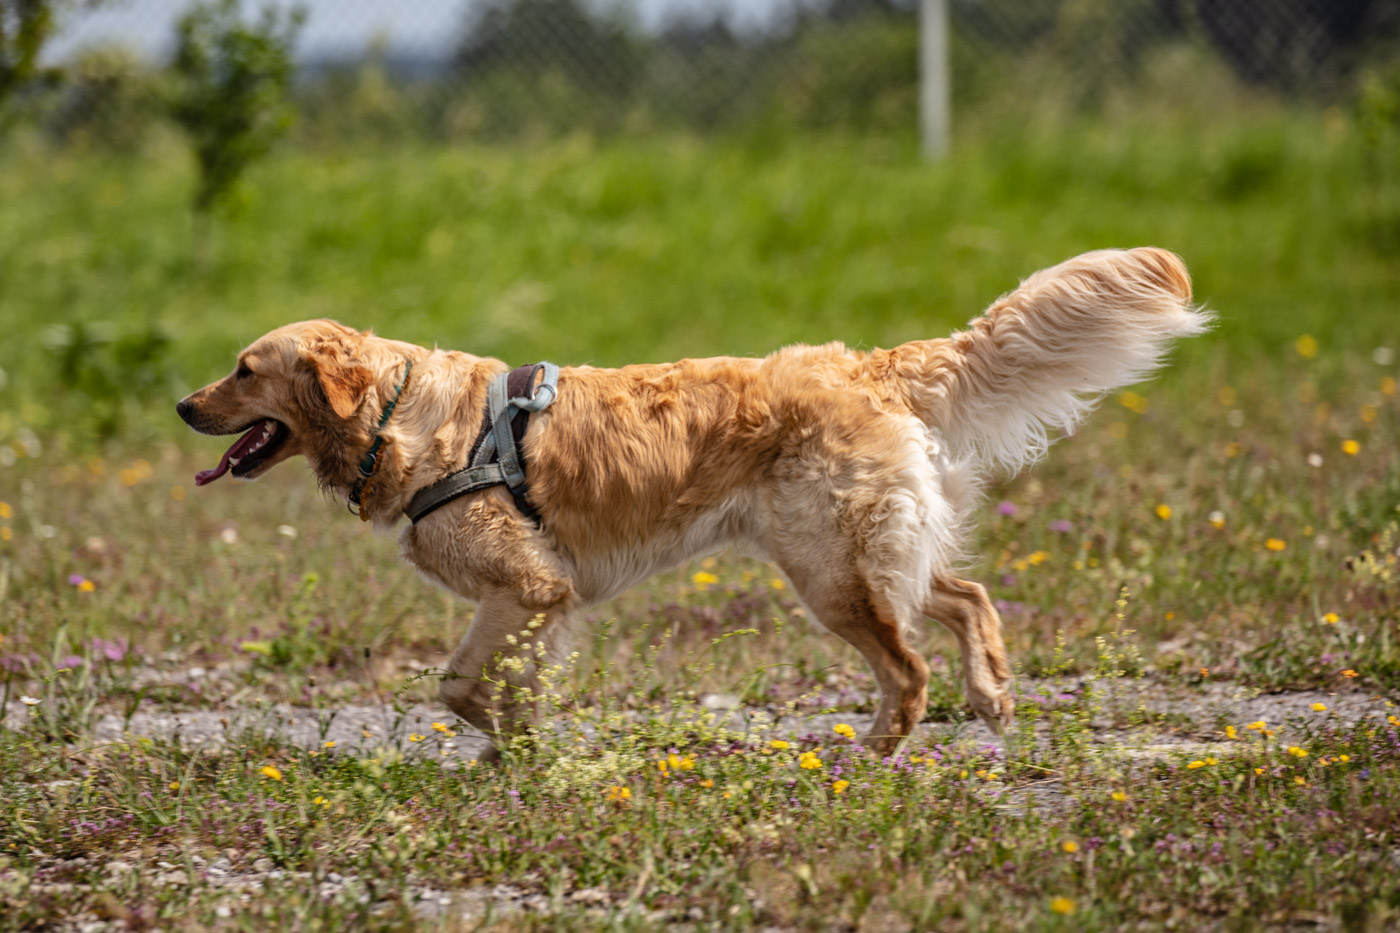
495,68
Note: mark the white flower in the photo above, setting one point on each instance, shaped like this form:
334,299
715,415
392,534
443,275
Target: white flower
229,536
286,531
1314,460
30,701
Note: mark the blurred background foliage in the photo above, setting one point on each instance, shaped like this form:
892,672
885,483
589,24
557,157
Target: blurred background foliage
570,181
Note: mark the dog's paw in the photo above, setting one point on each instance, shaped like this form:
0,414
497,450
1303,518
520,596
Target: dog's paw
997,710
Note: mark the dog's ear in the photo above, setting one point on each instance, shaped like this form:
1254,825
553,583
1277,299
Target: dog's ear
343,378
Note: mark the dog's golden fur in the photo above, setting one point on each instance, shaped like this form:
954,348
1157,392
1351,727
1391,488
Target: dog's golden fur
854,472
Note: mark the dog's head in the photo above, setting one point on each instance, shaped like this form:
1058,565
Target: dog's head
296,390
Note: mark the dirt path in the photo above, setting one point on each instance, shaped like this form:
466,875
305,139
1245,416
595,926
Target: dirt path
1176,718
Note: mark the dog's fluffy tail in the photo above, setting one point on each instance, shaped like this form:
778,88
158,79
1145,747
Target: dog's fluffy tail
1040,358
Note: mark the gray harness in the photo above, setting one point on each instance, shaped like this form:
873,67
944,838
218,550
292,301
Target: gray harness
498,457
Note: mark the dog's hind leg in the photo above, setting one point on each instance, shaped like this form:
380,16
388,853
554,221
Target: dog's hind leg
852,610
964,609
501,670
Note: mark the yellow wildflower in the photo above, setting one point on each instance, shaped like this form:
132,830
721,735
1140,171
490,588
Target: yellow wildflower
330,744
1331,618
417,737
6,510
1196,764
1300,781
1070,846
174,785
703,578
810,761
1297,752
439,727
1230,733
1062,905
707,783
1319,707
1350,673
1306,346
1276,544
844,730
1258,770
618,794
271,772
1163,511
777,583
1350,447
839,787
1133,402
779,744
1119,796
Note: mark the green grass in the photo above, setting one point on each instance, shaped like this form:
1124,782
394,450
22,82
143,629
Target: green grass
580,251
740,836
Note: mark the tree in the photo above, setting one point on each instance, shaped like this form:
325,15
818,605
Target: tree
24,27
232,81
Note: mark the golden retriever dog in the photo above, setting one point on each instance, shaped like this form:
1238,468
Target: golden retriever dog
856,473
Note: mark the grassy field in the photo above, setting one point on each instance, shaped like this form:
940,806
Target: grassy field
1222,535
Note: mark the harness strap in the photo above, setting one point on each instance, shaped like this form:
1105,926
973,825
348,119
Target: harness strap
498,456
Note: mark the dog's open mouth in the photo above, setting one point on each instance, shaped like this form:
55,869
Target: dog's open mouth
259,443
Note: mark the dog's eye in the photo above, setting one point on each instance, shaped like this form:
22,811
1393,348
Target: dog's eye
244,372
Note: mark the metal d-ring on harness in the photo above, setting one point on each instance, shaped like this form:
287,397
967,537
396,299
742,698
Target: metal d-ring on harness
498,457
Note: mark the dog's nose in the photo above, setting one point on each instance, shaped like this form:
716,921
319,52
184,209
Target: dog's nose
184,409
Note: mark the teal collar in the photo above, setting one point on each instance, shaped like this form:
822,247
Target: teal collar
371,459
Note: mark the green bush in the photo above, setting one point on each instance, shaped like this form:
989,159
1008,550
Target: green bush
231,93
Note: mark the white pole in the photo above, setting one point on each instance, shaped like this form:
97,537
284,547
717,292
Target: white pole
935,106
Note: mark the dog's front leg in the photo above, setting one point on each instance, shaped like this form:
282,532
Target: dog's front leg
506,663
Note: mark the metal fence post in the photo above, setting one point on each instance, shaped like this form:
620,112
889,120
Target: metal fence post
935,105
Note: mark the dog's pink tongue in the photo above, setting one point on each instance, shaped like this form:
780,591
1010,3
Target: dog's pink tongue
208,476
235,449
